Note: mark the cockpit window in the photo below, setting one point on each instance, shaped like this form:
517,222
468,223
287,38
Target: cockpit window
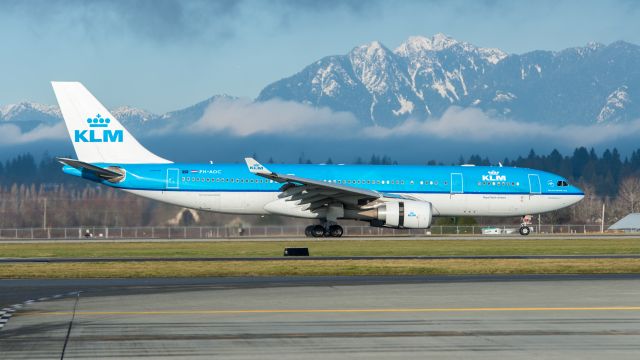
562,183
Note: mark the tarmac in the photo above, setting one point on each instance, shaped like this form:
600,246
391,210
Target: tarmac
459,317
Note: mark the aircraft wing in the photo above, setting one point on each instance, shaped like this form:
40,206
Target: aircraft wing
98,171
315,190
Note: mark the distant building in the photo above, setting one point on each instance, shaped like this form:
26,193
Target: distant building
629,223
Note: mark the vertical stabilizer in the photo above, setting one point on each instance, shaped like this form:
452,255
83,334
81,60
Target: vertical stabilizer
97,136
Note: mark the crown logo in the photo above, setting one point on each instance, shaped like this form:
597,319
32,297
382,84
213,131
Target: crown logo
98,122
493,172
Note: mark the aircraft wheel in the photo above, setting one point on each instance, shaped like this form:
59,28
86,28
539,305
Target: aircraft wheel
525,230
317,231
308,231
336,231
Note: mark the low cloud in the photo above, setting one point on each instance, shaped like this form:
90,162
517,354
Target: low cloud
471,124
11,134
243,117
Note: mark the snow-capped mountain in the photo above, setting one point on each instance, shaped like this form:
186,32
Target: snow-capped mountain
27,115
423,76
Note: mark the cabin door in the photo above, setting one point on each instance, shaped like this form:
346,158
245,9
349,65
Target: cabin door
534,184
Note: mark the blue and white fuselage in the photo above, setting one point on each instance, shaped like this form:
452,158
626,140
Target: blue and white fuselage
393,196
452,190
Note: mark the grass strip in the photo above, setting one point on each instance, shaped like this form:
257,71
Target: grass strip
346,247
318,267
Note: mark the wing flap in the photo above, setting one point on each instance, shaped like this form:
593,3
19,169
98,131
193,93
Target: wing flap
311,185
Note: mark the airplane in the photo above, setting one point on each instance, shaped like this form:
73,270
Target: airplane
401,197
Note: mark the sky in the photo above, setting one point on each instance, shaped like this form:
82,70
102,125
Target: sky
162,55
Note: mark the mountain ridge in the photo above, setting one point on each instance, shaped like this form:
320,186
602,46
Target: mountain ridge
422,77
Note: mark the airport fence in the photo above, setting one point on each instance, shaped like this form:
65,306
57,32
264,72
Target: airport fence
229,232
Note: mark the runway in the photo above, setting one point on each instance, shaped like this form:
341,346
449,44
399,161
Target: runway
478,317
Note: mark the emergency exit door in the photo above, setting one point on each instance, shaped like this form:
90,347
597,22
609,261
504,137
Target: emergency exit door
173,178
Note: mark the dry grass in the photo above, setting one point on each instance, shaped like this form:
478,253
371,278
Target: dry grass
346,247
317,267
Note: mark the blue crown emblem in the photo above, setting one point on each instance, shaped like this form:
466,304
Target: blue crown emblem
98,122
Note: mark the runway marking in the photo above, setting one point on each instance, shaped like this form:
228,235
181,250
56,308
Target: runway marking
7,313
304,311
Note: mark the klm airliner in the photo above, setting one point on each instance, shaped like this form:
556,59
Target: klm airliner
402,197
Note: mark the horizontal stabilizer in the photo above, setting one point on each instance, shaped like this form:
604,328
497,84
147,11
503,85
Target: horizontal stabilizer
98,171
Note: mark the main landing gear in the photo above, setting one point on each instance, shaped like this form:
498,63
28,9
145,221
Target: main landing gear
524,230
324,231
524,226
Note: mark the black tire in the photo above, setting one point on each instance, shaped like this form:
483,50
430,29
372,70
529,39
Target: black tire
317,231
524,231
308,231
336,231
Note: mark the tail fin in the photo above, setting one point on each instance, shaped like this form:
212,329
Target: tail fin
97,136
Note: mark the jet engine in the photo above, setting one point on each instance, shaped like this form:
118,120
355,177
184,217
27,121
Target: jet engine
408,214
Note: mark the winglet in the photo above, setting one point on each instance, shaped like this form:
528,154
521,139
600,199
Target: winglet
256,168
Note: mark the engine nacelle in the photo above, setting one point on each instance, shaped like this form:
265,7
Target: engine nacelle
409,214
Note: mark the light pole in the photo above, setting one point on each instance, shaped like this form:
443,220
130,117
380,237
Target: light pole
602,222
44,215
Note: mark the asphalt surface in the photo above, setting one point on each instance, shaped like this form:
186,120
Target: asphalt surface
303,258
460,317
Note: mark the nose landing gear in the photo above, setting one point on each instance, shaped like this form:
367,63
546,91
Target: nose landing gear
334,230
